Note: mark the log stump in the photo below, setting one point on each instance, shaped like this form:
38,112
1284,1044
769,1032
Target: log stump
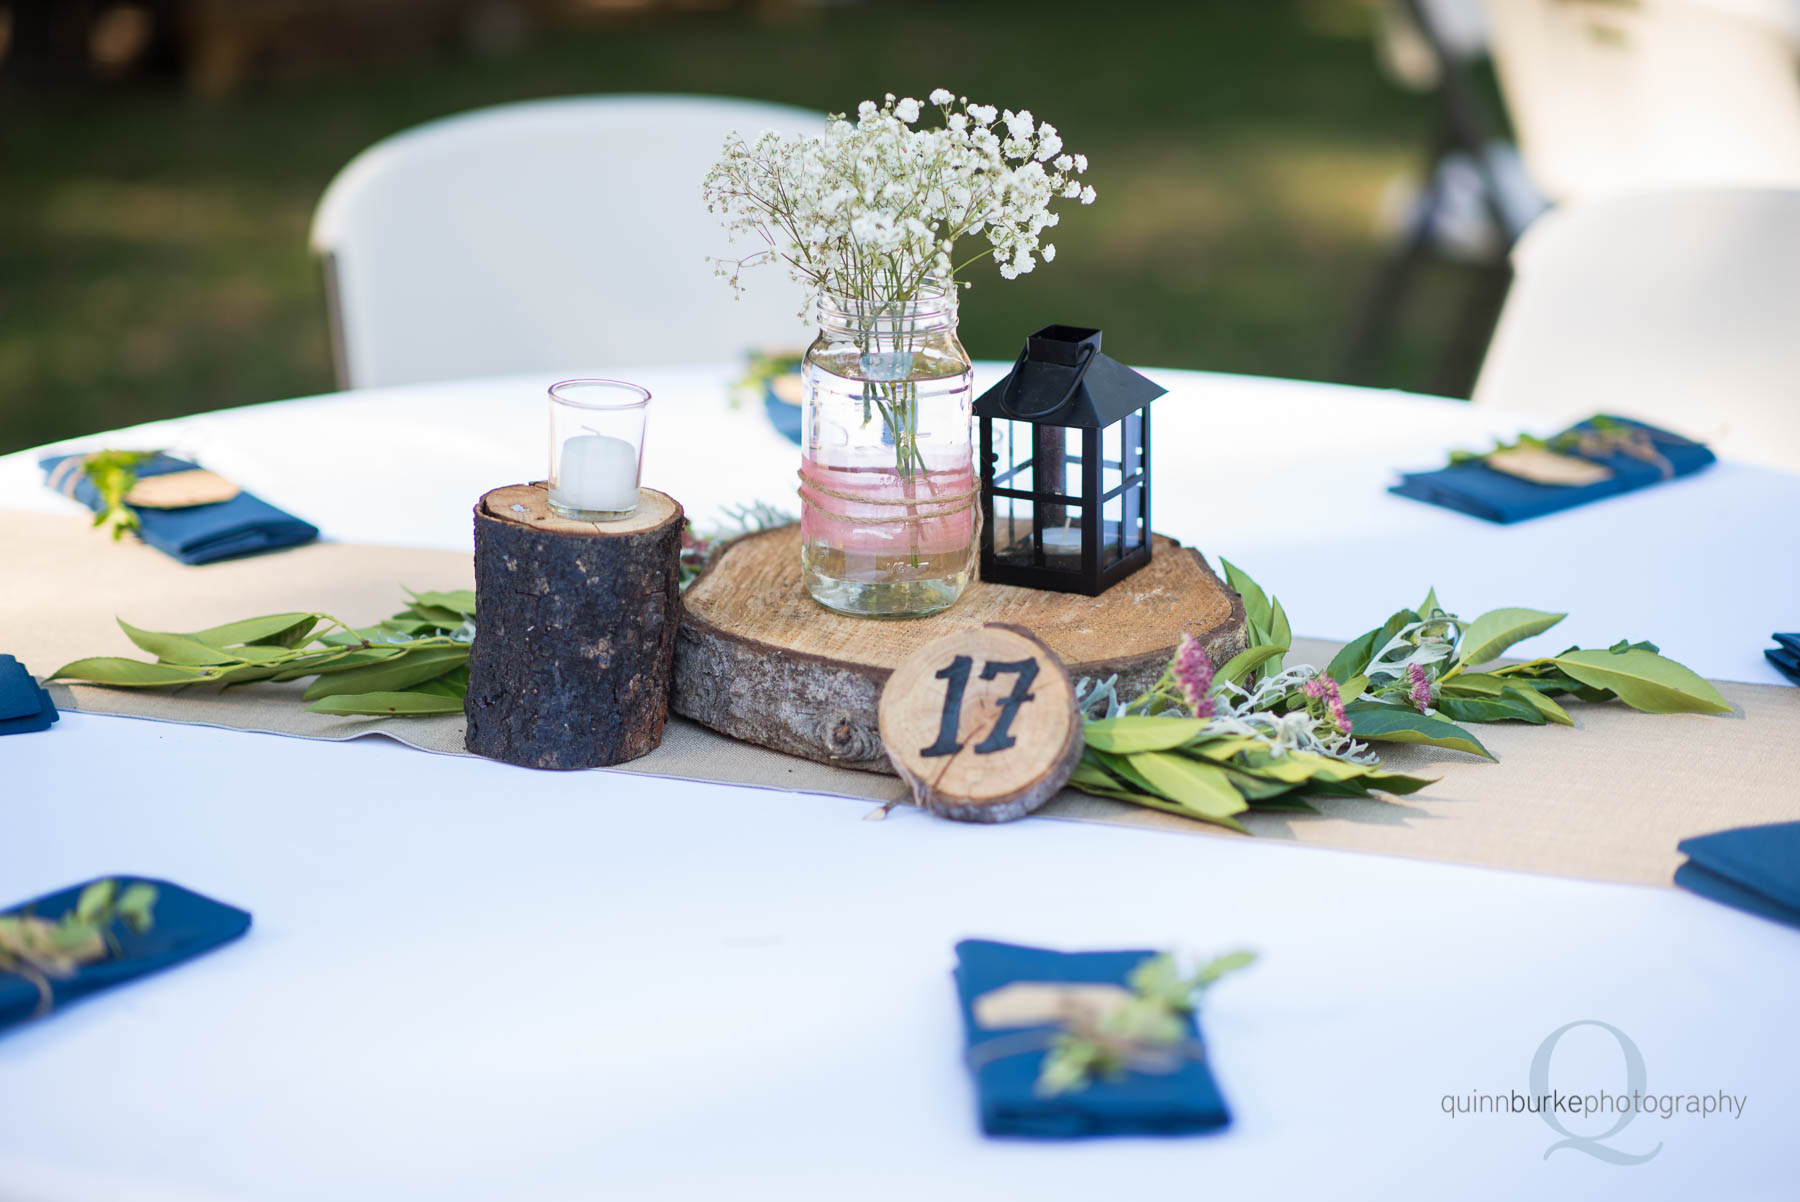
760,661
575,630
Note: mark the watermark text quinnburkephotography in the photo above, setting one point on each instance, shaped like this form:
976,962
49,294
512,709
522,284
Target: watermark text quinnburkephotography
1616,1108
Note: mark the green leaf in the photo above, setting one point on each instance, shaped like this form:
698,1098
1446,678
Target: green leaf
1392,724
1353,656
437,615
1139,732
94,900
1624,645
1280,633
1475,684
1644,681
1256,602
1493,632
1350,690
1489,709
383,704
1541,702
1238,668
1203,788
327,662
1429,605
178,648
401,672
274,630
460,600
135,904
1396,782
128,673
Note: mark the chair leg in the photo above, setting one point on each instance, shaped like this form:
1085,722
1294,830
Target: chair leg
1473,330
1376,317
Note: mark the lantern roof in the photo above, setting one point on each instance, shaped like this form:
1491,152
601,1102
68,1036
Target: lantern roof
1062,379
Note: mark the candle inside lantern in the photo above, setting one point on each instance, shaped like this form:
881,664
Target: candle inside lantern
596,474
1062,546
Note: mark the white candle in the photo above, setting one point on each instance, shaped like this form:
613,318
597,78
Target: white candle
1062,542
596,473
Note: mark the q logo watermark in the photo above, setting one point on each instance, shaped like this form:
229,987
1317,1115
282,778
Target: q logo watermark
1593,1145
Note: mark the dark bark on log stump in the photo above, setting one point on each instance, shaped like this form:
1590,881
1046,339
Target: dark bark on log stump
576,625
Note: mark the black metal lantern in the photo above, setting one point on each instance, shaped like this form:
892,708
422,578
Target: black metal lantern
1065,467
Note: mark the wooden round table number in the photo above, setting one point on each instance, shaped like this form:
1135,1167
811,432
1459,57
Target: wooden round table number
982,724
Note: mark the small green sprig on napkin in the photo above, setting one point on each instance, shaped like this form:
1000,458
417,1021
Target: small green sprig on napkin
1145,1032
114,475
45,949
1254,735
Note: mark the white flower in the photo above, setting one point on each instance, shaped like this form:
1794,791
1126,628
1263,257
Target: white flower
1080,163
1087,195
1049,252
873,204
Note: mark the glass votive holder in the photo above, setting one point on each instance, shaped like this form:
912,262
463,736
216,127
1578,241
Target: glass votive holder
596,448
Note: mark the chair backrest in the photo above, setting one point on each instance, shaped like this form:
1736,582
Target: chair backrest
1681,308
553,234
1608,97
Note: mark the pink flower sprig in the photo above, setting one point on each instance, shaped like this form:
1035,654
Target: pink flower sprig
1420,695
1323,688
1193,673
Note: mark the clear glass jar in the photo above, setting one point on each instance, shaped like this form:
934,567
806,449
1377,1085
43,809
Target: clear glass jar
887,464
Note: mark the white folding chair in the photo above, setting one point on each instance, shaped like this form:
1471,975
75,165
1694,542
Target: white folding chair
552,234
1610,97
1681,308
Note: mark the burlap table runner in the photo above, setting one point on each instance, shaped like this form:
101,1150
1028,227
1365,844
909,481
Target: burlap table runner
1607,799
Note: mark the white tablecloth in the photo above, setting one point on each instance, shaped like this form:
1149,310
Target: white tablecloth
472,981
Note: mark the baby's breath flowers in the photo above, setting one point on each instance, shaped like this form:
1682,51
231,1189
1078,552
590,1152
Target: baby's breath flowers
876,204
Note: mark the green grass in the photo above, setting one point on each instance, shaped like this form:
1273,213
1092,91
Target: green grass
153,247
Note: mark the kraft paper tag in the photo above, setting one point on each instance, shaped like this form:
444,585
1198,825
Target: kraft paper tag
1040,1003
1547,467
180,490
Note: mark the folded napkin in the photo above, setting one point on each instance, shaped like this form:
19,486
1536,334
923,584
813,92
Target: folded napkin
24,705
1786,657
1139,1103
184,924
198,533
1473,487
1752,868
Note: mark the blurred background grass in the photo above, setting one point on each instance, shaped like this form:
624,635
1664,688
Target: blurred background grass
153,259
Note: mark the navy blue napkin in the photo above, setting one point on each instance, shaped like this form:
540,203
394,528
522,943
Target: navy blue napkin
199,533
24,704
1176,1103
1753,868
1474,488
184,924
1786,657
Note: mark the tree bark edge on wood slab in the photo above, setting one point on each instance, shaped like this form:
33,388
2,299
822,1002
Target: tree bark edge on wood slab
825,709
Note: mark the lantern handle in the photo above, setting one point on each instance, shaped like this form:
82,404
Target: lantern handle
1007,394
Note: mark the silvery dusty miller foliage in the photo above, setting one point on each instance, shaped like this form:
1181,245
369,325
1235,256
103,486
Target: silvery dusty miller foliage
875,205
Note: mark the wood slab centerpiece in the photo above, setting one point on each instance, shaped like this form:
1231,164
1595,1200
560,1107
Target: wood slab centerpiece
758,660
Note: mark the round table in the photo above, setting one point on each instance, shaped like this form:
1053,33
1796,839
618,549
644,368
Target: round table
472,981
